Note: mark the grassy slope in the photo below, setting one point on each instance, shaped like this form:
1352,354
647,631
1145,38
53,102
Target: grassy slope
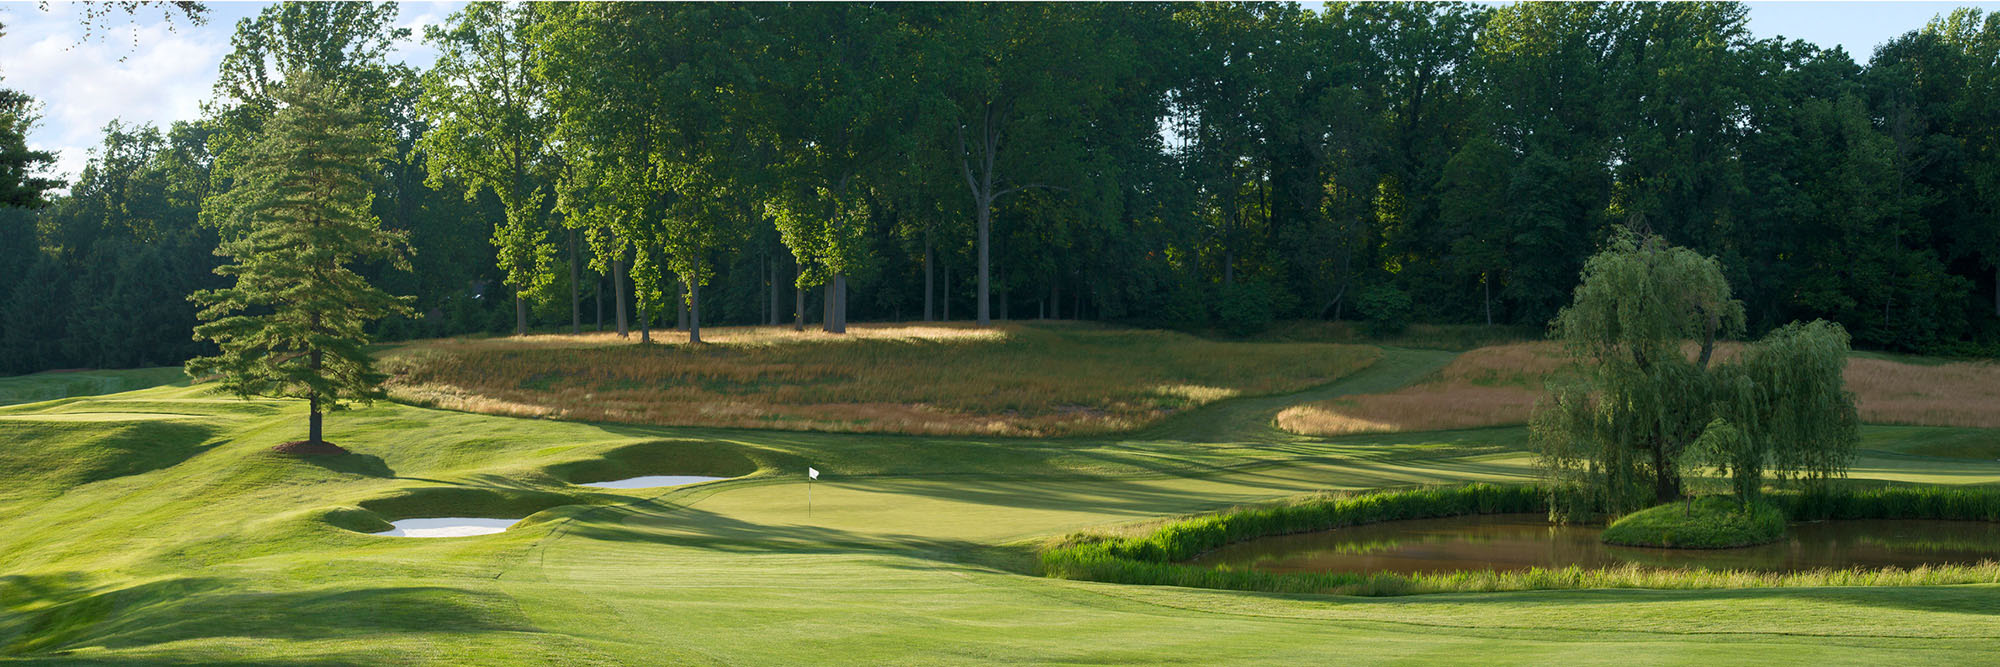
48,386
1020,379
211,550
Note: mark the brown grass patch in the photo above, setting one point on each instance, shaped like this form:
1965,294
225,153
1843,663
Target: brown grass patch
945,379
1498,386
1954,394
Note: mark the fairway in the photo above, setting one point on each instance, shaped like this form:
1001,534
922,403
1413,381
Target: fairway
914,548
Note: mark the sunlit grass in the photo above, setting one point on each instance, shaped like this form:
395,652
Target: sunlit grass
1498,385
1012,380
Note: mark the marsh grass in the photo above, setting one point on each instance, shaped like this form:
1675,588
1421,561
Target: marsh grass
1498,385
1152,557
1013,380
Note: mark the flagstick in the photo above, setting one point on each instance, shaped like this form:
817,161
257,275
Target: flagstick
809,496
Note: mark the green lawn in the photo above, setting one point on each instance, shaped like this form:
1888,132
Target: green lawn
152,526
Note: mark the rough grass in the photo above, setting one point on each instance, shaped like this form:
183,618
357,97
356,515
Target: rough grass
1709,522
1498,385
1015,380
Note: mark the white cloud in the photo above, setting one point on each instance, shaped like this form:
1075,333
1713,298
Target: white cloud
137,70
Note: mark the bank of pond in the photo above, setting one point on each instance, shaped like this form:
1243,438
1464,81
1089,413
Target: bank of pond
1495,538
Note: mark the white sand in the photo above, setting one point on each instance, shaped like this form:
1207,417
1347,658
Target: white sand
450,526
652,481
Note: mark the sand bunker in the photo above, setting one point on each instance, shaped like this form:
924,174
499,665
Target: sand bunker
450,526
652,482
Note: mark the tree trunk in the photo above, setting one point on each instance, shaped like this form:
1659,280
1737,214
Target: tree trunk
1486,284
315,429
928,287
680,304
694,306
618,294
520,314
839,312
798,306
946,296
1055,300
985,224
1666,483
575,290
597,295
1996,287
826,307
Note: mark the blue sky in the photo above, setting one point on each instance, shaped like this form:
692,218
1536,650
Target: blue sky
141,72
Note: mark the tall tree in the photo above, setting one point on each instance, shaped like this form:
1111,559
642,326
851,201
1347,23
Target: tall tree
292,324
1625,426
490,128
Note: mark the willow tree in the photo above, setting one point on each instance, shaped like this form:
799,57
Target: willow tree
293,323
490,130
1649,401
1639,400
1784,407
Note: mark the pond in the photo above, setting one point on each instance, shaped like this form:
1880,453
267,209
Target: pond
1522,541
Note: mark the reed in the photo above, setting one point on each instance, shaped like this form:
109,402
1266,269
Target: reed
1152,558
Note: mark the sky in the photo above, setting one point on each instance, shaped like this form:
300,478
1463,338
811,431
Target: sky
142,72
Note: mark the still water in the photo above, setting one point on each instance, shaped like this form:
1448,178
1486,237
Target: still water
1522,541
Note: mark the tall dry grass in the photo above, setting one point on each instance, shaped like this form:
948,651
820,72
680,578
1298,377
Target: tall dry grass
1012,380
1487,386
1498,386
1954,394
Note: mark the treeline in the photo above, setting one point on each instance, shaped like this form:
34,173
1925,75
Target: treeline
1211,166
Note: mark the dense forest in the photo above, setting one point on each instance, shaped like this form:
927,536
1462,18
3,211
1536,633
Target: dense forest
1214,167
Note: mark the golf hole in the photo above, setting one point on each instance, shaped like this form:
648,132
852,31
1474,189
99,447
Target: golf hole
450,526
652,481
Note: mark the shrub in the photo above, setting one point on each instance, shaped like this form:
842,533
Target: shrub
1243,308
1386,309
1711,522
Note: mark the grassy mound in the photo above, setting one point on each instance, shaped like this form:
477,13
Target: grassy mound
1011,380
1709,522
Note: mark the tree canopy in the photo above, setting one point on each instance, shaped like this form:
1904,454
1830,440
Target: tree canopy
1213,167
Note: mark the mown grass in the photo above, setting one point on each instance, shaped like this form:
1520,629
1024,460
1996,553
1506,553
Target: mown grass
1708,522
913,552
1017,380
1498,385
1456,337
61,384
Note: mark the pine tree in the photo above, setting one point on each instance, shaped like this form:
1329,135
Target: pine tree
292,325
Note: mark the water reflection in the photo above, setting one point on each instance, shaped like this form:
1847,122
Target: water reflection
1522,541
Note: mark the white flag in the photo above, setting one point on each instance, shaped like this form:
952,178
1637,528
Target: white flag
812,472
